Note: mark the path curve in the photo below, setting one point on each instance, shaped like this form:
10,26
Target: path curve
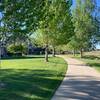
81,82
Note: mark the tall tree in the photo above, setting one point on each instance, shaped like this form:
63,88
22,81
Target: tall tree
52,17
21,17
56,26
83,23
97,24
61,25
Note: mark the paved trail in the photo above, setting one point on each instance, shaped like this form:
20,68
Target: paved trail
80,83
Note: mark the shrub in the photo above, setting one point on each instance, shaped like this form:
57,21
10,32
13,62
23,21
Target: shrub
17,49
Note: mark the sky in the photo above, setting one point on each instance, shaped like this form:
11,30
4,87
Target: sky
0,15
97,1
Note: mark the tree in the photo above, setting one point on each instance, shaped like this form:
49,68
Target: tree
61,25
20,19
96,37
83,23
56,26
23,17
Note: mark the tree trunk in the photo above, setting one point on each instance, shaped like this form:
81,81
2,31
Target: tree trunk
46,53
53,52
74,52
0,56
81,52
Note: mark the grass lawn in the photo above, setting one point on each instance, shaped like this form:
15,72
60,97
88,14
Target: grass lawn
92,61
91,58
31,78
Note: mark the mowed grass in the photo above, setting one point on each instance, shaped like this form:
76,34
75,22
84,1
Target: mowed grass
95,63
31,78
90,58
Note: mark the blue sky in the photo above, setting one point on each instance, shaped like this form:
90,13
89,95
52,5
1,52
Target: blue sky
0,15
97,1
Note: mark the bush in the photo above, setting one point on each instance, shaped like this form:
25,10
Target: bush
17,49
14,54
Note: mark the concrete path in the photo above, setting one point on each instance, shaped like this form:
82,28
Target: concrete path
80,83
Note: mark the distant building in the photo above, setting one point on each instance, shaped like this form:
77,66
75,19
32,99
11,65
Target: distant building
35,50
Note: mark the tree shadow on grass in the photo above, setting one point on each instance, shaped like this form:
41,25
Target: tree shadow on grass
21,57
25,84
56,62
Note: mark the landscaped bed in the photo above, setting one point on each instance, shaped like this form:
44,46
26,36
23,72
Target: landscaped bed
31,78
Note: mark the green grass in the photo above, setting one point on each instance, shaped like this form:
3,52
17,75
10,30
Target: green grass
31,78
90,58
92,61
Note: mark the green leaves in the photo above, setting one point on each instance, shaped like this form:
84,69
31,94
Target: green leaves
83,22
57,22
50,20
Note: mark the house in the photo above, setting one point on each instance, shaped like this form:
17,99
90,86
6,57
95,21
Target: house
35,50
